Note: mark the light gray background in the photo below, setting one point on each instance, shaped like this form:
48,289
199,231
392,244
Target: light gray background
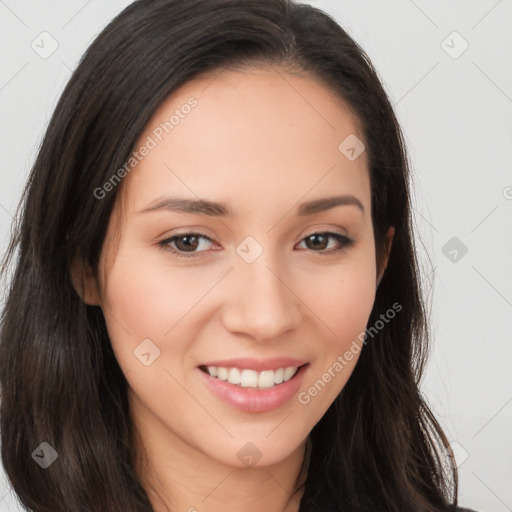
457,117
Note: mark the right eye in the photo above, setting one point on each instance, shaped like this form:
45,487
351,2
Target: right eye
180,244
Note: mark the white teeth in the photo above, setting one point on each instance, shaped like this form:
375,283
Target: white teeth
289,373
252,378
234,376
266,379
249,379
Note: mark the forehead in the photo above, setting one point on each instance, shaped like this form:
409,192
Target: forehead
254,138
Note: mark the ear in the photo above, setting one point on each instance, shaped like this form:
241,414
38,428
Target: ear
389,237
84,282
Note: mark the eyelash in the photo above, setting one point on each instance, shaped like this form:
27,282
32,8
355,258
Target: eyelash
345,241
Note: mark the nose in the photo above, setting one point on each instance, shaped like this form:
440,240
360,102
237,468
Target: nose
261,302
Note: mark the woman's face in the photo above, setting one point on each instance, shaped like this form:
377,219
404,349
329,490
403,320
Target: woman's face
259,292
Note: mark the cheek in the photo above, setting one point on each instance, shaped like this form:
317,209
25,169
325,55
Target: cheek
349,314
342,303
342,299
143,301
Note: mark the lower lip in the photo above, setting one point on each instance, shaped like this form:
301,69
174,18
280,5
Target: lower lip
252,399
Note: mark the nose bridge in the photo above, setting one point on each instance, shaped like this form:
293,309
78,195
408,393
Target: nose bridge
261,305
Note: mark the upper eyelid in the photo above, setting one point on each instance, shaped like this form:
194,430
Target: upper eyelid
204,235
332,234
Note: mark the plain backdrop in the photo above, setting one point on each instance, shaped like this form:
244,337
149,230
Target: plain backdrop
447,67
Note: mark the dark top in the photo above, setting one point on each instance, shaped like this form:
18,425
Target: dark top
323,508
323,503
330,509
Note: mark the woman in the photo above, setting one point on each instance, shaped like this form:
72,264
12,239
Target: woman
216,300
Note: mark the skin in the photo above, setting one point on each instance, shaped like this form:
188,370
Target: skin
263,141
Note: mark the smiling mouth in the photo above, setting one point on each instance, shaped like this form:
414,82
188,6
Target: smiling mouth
245,378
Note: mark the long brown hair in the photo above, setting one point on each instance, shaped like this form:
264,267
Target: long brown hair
378,447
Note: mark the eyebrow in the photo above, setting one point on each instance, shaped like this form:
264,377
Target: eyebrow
221,209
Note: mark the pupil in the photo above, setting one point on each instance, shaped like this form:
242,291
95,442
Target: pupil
187,243
316,237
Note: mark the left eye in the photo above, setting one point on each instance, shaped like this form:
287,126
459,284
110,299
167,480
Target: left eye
189,242
344,242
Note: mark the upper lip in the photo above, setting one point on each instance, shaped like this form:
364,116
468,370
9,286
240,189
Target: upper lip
258,365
